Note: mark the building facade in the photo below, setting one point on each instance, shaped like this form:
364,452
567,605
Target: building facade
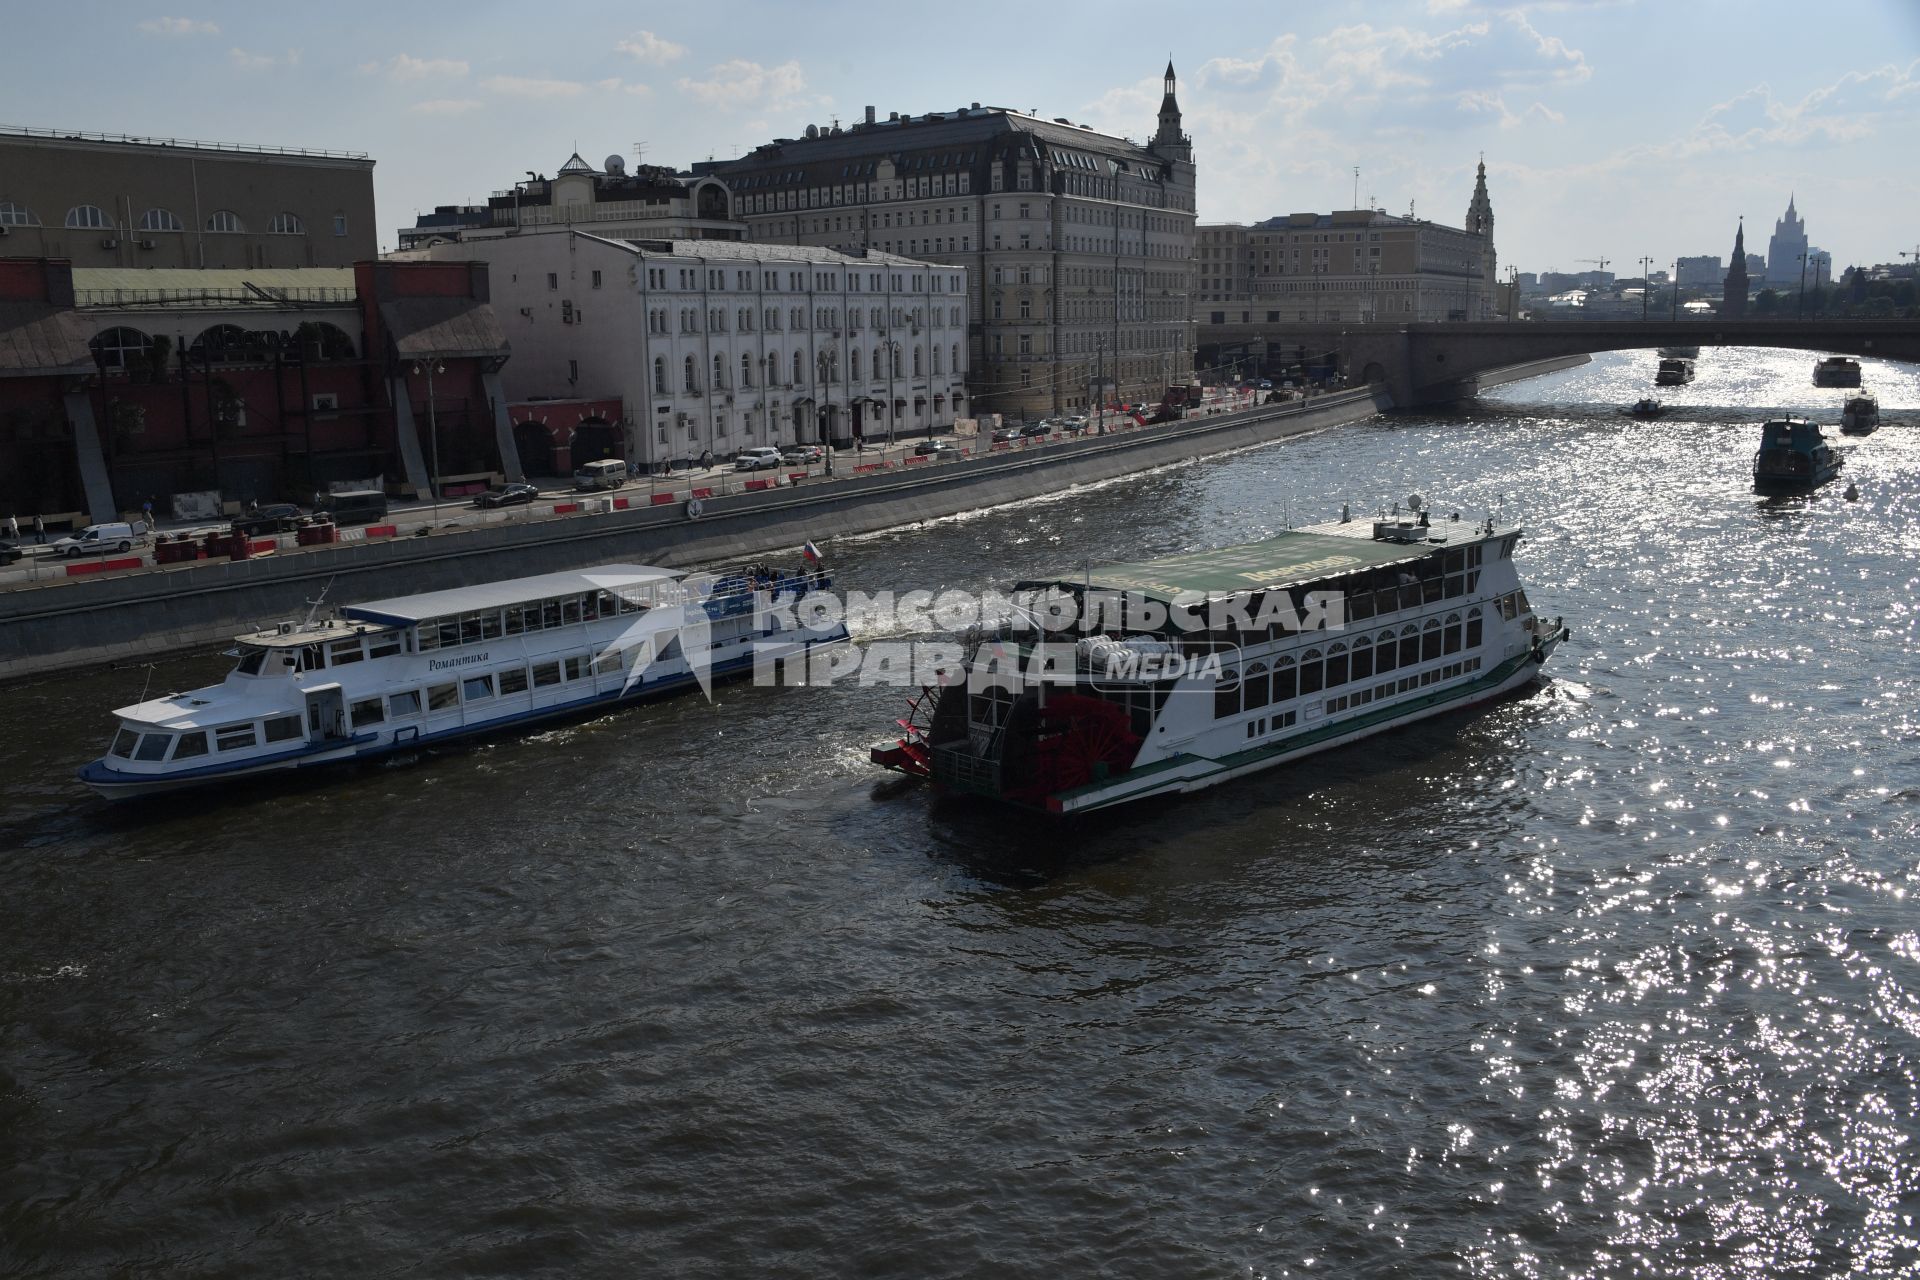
1077,246
714,346
1787,248
123,386
650,203
108,200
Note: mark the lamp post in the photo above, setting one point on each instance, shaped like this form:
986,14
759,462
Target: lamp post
892,347
1800,302
1646,285
433,432
1676,290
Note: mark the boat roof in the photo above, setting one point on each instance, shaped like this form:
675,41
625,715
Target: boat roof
292,635
401,610
1290,559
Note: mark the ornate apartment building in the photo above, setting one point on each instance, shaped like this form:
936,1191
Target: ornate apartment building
109,200
1077,246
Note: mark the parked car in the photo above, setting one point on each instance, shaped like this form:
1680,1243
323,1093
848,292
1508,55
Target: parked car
1037,429
801,453
606,473
511,495
9,553
278,517
760,457
98,538
1006,434
936,449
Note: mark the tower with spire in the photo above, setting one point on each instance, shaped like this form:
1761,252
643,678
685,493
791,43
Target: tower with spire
1480,223
1789,243
1169,141
1733,294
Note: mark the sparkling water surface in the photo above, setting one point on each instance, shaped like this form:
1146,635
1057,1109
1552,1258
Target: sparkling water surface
1614,978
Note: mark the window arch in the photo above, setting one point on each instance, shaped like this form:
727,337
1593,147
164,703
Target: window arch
799,369
689,376
286,224
1312,672
1336,665
773,368
16,215
660,375
1226,693
746,368
1285,678
1430,640
220,343
225,220
160,220
916,362
1473,627
853,364
322,341
1257,689
89,217
119,347
719,371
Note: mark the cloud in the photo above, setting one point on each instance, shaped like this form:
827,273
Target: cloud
246,61
179,27
524,87
742,85
1481,101
447,106
403,67
644,46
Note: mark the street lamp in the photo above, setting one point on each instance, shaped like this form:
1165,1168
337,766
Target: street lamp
1646,285
1800,303
1676,290
892,347
433,431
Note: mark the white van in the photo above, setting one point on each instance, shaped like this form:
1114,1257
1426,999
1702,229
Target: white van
98,538
608,473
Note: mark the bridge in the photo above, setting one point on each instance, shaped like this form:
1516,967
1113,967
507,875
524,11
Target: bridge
1436,362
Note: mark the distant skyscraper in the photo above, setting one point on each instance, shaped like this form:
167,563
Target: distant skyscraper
1733,294
1784,250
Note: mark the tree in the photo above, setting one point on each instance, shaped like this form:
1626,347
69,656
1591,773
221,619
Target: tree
1768,303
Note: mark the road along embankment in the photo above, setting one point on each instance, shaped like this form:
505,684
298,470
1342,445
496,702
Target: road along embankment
89,621
1531,369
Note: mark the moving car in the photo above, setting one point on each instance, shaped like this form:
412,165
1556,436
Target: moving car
1037,429
607,473
352,506
801,453
511,495
278,517
936,449
98,538
1005,434
763,456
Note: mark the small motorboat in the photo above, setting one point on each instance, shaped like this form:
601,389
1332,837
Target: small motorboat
1861,415
1794,457
1646,409
1674,372
1836,371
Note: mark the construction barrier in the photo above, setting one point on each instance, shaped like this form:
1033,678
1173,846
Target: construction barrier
620,504
565,508
918,457
662,499
759,484
703,493
83,568
795,477
866,467
1001,445
382,530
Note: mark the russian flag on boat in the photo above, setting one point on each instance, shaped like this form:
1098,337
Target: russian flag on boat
811,552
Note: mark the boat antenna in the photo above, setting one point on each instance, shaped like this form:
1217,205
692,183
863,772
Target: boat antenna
313,605
148,686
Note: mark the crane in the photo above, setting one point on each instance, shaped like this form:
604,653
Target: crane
1599,263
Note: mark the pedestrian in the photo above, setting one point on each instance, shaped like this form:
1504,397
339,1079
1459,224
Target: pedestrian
39,530
146,509
13,527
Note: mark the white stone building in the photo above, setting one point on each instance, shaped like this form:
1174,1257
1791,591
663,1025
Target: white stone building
716,346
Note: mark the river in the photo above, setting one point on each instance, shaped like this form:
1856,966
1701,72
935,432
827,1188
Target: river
1619,977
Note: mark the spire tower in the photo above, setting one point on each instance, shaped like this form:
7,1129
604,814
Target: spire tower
1169,141
1733,293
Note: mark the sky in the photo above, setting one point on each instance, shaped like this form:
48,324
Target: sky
1611,129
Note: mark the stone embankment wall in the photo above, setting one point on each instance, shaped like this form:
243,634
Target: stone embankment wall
88,621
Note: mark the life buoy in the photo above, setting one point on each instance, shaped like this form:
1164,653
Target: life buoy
694,508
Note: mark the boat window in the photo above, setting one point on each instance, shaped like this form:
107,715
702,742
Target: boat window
549,614
513,680
282,728
1452,644
123,743
367,711
153,746
312,657
1456,585
1473,556
546,674
570,610
607,662
1520,601
1336,665
641,653
516,620
403,705
449,632
1312,671
1455,559
234,737
1473,628
190,745
1286,679
576,666
1359,605
426,638
1430,641
383,644
490,626
251,661
470,629
1409,645
477,688
443,697
1226,693
1361,659
341,652
1257,689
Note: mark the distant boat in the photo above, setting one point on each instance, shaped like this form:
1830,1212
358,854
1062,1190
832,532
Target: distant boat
1861,415
1836,371
1674,372
1679,353
1794,457
1646,409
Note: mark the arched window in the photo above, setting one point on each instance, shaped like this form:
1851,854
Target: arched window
286,224
660,375
916,362
1430,640
322,341
1386,653
1336,665
1226,694
1361,659
1286,684
773,368
88,217
1313,672
746,368
160,220
120,348
1409,645
879,364
1257,688
955,365
16,215
1452,641
220,343
936,360
853,364
719,371
689,375
799,369
225,220
1473,627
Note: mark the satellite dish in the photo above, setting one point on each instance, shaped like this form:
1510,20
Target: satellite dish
1415,502
616,164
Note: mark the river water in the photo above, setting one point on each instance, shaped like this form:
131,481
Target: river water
1619,977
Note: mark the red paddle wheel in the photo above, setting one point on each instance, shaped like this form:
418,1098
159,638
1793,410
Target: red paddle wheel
909,752
1078,740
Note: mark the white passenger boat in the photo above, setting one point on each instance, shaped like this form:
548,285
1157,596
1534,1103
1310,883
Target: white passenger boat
418,671
1197,669
1860,415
